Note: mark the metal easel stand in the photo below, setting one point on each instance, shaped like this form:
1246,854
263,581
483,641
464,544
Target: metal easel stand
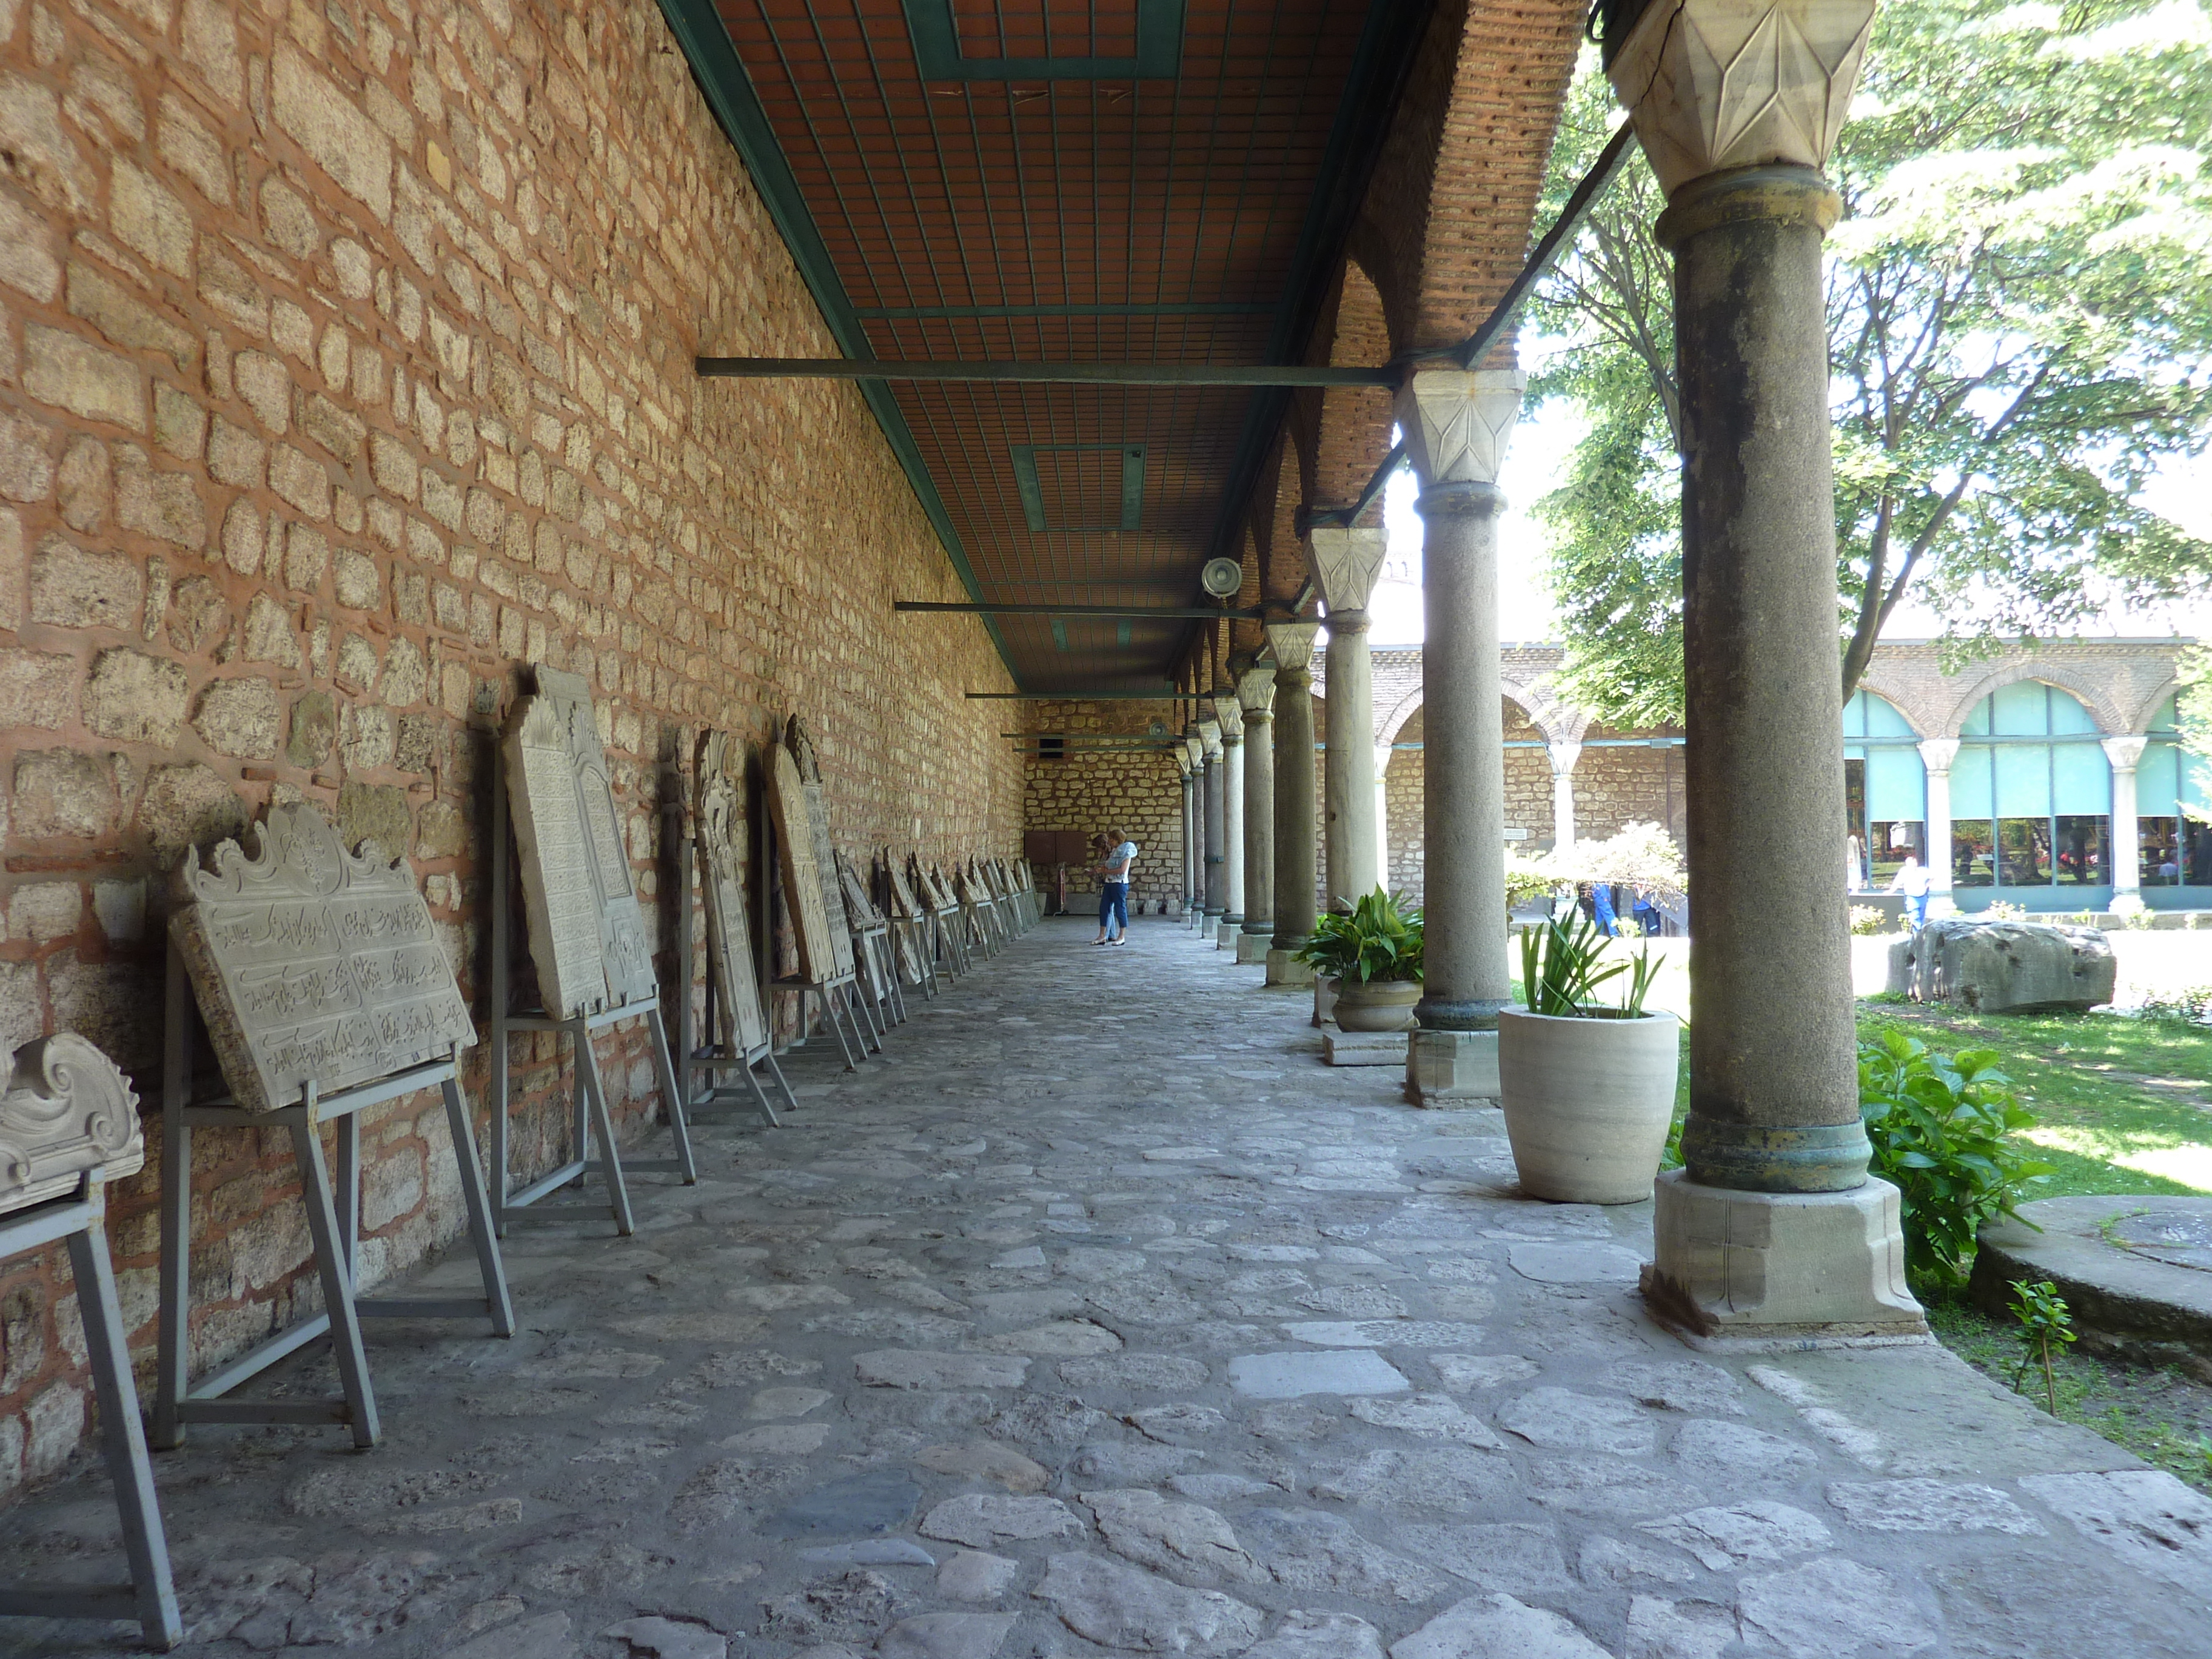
952,931
871,951
334,1225
981,931
823,990
857,1009
592,1121
917,939
708,1055
148,1595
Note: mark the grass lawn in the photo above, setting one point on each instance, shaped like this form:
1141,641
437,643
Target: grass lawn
2122,1106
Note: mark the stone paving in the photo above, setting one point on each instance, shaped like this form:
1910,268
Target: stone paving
1100,1318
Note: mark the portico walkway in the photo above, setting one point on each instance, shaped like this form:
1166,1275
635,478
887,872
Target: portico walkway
1101,1317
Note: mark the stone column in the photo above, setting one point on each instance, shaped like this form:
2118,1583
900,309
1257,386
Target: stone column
1345,563
1936,754
1255,694
1456,426
1296,836
1231,716
1564,757
1209,733
1182,823
1773,1229
1194,829
2126,753
1382,815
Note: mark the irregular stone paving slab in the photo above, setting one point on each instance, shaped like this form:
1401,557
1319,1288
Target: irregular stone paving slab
1736,1453
1292,1375
1464,1372
878,1501
946,1636
1729,1536
982,1521
2145,1516
1564,1420
1189,1542
1680,1385
1070,1337
986,1460
1432,1416
1313,1550
975,1576
1319,1636
1607,1560
1497,1628
1518,1557
1828,1608
1120,1607
546,1637
1382,1333
665,1638
1164,1372
1930,1506
1575,1264
1434,1478
897,1368
1661,1629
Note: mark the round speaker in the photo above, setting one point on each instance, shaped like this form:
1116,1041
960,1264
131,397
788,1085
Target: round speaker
1222,578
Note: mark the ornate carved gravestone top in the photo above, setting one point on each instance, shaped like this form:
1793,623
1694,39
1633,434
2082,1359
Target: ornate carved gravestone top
721,883
586,932
310,962
66,1109
859,909
902,898
802,876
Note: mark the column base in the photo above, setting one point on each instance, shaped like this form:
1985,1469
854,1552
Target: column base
1740,1272
1284,968
1451,1065
1231,931
1251,947
1207,924
1363,1048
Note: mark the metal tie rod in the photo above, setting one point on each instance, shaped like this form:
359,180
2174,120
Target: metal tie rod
870,368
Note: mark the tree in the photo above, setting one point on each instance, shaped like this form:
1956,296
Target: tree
2019,331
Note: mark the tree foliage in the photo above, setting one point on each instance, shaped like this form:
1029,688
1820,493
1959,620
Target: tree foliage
2019,331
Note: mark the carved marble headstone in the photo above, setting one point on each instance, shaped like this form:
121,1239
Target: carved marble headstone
902,899
859,909
802,876
586,932
825,851
66,1109
310,962
721,883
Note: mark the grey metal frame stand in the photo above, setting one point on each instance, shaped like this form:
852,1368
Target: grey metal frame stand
593,1118
703,1054
803,988
872,948
148,1595
917,938
952,939
335,1230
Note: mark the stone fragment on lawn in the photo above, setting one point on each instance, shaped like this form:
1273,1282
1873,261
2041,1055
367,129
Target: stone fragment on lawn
2009,967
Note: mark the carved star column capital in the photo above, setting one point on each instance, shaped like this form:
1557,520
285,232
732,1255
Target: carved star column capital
1255,693
1292,642
1457,423
1715,85
1344,564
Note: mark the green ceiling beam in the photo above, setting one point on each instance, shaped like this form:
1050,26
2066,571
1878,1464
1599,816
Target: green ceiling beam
937,50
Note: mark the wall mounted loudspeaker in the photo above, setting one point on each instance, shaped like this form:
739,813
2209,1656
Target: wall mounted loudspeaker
1222,578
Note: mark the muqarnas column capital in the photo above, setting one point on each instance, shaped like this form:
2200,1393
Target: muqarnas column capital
1717,85
1458,422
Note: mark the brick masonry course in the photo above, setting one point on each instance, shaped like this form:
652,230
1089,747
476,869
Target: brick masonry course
345,367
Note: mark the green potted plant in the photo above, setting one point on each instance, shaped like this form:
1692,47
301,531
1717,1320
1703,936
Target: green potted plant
1373,951
1588,1089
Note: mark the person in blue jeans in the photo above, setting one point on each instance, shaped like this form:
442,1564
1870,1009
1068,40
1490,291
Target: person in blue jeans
1114,890
1912,881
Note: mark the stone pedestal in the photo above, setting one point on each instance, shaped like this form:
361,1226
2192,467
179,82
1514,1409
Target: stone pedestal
1451,1065
1251,947
1284,968
1364,1048
1780,1270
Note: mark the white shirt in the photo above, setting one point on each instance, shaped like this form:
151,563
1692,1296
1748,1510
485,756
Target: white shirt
1126,856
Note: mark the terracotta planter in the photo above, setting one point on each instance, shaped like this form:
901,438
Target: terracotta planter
1379,1005
1588,1103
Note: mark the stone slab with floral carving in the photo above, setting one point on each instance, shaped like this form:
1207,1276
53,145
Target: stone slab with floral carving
67,1108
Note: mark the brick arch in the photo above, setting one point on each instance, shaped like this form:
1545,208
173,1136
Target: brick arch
1348,428
1923,720
2083,685
2149,706
1458,176
1557,721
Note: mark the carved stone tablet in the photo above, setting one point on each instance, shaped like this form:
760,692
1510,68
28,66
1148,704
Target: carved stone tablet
825,850
859,909
622,948
902,899
310,962
67,1108
802,876
721,883
558,890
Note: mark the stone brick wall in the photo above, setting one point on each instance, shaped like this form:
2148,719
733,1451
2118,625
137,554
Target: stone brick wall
344,367
1094,789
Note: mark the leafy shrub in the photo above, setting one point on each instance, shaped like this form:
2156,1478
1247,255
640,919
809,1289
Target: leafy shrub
2003,910
1942,1129
1642,854
2191,1005
1373,940
1869,919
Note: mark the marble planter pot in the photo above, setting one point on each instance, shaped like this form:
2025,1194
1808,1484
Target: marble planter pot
1379,1005
1588,1103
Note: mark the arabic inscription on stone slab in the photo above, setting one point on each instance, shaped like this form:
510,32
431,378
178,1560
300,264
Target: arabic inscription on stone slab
722,888
311,962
